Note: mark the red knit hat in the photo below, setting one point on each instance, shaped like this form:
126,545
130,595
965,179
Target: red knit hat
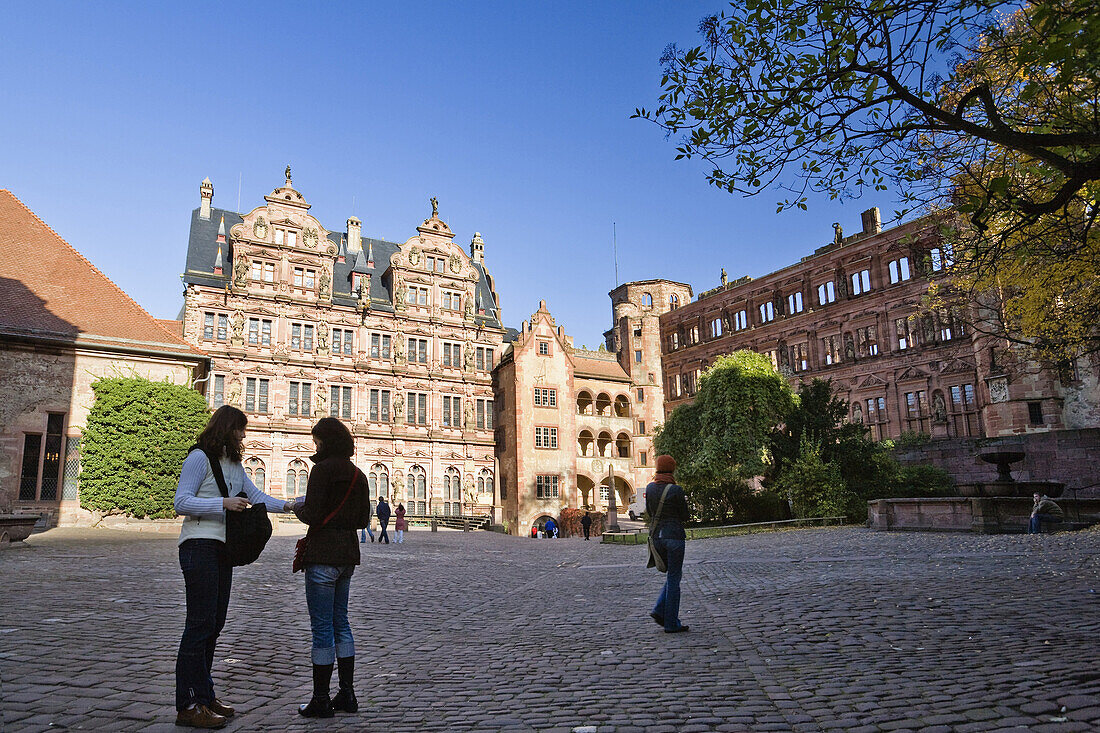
666,464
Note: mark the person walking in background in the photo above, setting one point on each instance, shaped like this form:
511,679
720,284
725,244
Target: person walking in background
586,524
383,512
363,534
337,503
399,523
207,572
666,504
1043,510
551,528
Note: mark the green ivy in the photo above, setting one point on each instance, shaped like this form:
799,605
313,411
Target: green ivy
133,446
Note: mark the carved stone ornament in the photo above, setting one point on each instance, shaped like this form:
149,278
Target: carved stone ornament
939,409
240,270
857,414
414,256
259,229
998,389
454,263
469,357
309,237
469,415
469,308
322,337
233,395
325,285
236,323
398,408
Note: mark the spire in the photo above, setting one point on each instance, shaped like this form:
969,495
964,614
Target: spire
342,252
221,232
370,253
218,266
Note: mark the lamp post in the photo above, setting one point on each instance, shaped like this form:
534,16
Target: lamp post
612,514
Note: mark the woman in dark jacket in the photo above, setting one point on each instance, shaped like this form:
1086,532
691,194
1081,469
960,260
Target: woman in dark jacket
337,492
667,526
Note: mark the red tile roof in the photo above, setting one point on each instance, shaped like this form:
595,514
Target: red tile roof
584,366
49,290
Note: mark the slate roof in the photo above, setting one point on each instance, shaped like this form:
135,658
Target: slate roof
49,291
202,251
584,366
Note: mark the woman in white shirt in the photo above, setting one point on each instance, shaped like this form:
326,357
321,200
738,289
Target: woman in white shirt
207,572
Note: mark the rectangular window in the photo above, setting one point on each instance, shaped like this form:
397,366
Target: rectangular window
774,356
546,397
255,394
418,350
899,270
867,338
641,395
416,408
269,272
546,487
254,331
877,417
257,270
906,331
223,326
484,359
767,312
546,437
485,414
265,332
693,335
643,458
379,405
794,303
208,327
300,399
544,348
452,411
637,356
673,341
51,457
305,278
740,320
219,390
799,358
28,476
715,328
340,402
916,411
416,295
452,354
436,264
307,338
342,341
964,411
296,336
452,301
641,427
861,282
935,259
380,346
830,349
826,293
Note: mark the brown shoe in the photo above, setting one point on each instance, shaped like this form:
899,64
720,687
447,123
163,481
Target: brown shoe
221,709
200,716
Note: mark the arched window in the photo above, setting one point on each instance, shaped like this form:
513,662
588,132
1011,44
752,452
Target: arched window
297,477
622,446
603,402
485,482
452,491
379,481
254,467
622,406
415,487
602,442
674,301
647,300
584,403
584,443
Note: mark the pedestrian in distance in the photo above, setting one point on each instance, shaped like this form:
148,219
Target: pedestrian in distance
586,525
207,570
1043,510
399,523
383,512
551,528
363,535
337,503
667,505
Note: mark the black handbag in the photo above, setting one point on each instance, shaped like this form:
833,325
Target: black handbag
247,531
656,559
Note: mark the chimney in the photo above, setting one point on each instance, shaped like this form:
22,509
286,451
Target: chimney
355,236
206,194
872,222
477,249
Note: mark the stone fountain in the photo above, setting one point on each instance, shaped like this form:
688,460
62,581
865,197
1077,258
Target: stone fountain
1003,457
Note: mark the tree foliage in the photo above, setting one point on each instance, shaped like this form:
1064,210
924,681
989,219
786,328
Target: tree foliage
723,438
987,108
133,446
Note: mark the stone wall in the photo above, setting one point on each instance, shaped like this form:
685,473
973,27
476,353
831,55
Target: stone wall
1069,456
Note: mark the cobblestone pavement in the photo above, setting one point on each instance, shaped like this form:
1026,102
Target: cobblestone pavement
810,630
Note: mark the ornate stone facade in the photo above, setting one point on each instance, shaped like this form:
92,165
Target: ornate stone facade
398,340
574,422
848,312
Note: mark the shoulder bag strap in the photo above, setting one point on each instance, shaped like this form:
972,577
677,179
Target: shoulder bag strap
216,467
354,478
660,506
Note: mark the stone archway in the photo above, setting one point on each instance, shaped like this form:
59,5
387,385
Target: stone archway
586,491
624,493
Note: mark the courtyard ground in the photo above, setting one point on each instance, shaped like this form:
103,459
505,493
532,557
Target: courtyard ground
821,629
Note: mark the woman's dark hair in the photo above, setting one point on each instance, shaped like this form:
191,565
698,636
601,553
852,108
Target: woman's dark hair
220,434
335,438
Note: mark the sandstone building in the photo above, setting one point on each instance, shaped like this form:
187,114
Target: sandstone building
64,324
573,423
848,312
398,340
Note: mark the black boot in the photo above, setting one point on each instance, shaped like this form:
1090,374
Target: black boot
345,699
319,706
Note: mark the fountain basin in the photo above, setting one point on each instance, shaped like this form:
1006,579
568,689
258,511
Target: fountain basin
989,489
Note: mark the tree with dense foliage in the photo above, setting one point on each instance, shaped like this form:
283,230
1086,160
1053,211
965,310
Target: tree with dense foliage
723,438
989,109
133,446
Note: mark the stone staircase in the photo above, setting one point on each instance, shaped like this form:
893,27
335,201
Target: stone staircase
472,522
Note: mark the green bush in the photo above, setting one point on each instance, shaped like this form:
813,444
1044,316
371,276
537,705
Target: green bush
133,447
924,479
815,487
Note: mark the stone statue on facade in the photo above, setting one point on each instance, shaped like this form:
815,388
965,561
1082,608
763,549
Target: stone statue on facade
939,409
469,307
468,357
399,408
838,233
399,293
240,270
236,325
849,347
857,414
435,207
469,411
725,278
324,287
233,396
322,337
399,348
322,401
287,175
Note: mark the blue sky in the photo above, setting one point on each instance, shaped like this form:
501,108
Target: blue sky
515,115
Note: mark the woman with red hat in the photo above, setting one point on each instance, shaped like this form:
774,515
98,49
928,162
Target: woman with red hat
667,507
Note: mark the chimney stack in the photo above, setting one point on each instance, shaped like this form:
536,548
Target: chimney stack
355,236
206,193
872,222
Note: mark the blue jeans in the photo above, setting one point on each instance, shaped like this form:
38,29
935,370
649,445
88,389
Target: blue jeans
1035,524
208,578
327,590
668,603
